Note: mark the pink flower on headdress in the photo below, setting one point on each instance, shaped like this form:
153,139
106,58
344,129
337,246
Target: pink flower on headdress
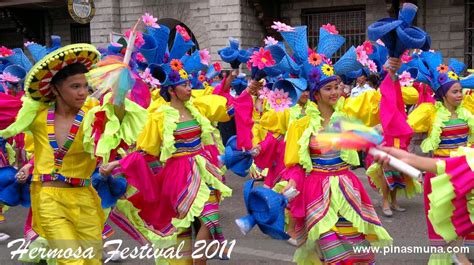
264,93
406,57
4,51
279,99
149,79
150,21
380,42
139,41
330,28
249,65
28,43
372,66
205,57
405,79
217,66
362,56
262,59
181,30
279,26
270,41
141,58
369,49
7,77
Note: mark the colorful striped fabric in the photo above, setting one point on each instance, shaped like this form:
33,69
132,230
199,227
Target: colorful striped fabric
394,179
210,217
75,182
59,153
330,161
337,245
187,137
453,135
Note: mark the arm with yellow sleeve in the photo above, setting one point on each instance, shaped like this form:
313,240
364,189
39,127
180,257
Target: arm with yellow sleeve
216,108
421,118
276,121
365,107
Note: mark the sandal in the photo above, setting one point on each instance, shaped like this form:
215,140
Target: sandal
398,208
387,212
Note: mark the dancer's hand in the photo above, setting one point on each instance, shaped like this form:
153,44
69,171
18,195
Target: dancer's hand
23,173
256,150
254,87
291,184
106,170
395,152
393,65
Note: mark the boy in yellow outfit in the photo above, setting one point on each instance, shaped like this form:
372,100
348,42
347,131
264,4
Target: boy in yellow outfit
66,210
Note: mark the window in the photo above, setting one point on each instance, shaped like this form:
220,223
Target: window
469,33
350,22
80,33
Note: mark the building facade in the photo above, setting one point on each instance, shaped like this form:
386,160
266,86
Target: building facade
449,22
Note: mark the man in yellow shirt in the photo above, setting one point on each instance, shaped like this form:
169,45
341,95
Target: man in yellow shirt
66,209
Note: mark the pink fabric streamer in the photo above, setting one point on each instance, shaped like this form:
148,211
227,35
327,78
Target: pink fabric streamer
243,106
9,107
135,167
140,93
392,114
424,93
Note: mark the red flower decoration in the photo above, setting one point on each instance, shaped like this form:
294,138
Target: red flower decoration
217,66
202,78
4,51
262,59
176,64
330,28
369,49
181,30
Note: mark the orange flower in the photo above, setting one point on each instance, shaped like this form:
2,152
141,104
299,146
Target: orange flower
176,65
442,68
202,78
315,59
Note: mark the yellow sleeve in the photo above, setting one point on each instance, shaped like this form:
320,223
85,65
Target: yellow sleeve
150,138
468,102
410,95
420,119
365,107
293,135
275,121
155,104
214,107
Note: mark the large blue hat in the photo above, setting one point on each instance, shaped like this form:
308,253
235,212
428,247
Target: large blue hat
397,34
192,63
156,44
236,160
39,51
233,55
109,188
19,58
283,62
329,43
266,209
293,86
348,62
13,193
239,84
16,71
182,43
298,42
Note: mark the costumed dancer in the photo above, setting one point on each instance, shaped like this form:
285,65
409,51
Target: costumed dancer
448,122
398,36
176,184
53,111
449,200
333,212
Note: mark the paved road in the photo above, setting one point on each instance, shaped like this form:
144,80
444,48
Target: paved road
407,229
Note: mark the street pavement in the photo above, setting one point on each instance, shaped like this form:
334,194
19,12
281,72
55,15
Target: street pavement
407,229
